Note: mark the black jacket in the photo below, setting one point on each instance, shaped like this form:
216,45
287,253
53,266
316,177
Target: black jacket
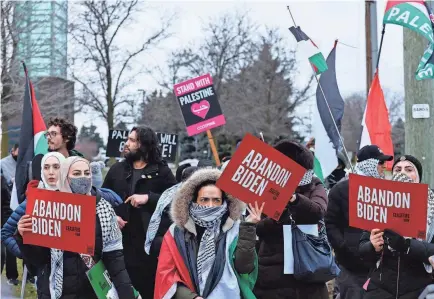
343,238
308,208
156,178
5,201
76,285
405,269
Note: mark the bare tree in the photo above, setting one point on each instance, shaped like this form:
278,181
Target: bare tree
262,97
14,22
101,66
355,106
228,46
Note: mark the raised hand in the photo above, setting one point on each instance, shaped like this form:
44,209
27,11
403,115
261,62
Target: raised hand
254,213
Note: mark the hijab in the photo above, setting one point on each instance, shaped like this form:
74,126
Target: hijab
43,184
63,182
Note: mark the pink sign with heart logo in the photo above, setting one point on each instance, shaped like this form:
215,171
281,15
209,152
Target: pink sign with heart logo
200,109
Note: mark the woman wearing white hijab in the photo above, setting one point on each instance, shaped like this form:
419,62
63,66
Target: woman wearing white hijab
64,274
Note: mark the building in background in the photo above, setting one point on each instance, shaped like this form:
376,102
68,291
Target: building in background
42,28
43,32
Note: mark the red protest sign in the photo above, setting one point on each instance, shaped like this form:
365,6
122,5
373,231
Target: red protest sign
61,220
258,172
375,203
199,105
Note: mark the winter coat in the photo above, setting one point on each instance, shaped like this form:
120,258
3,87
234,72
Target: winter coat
235,259
5,201
308,208
76,285
343,238
155,179
8,166
404,272
10,226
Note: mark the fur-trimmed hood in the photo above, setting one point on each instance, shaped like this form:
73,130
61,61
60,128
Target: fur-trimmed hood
180,205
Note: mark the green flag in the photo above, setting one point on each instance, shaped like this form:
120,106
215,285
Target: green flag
318,63
425,69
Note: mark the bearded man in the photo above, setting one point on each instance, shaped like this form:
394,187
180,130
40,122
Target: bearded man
139,180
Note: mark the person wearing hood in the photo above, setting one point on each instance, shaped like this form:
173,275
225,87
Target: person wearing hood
345,239
64,273
208,252
160,220
402,268
307,206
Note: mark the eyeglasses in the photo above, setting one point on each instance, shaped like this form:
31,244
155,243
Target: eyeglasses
51,134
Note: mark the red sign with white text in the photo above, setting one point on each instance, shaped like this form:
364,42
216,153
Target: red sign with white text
376,203
258,172
61,220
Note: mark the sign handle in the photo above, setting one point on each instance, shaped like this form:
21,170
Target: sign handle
213,148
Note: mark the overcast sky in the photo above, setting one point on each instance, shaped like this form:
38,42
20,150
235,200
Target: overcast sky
322,21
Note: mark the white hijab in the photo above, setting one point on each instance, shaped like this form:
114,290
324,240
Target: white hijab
44,184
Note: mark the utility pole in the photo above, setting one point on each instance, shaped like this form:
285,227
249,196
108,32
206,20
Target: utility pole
371,41
419,140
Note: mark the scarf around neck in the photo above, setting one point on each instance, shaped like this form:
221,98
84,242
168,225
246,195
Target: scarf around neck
368,168
210,219
165,200
307,178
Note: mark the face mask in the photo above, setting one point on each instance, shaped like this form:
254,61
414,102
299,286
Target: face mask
80,185
15,157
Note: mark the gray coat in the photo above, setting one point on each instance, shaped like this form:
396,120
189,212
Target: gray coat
8,166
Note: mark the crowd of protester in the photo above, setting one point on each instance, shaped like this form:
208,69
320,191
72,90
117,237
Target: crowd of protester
161,235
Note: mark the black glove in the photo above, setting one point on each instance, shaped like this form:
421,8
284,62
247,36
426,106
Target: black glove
396,241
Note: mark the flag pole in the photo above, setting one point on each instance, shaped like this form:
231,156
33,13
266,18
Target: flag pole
213,148
381,46
327,103
333,119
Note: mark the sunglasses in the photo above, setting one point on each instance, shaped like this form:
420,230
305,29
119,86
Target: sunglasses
381,162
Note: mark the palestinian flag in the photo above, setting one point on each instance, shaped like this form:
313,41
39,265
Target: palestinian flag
425,69
414,15
316,58
32,138
327,140
376,128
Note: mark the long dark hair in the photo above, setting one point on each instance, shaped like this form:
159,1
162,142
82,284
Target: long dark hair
149,145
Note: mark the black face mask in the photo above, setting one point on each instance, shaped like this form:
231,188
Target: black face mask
15,157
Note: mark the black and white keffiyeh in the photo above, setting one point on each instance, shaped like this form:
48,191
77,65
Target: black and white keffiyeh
209,218
368,168
165,199
400,177
307,178
111,237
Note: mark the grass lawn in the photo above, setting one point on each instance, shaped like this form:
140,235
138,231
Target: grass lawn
30,290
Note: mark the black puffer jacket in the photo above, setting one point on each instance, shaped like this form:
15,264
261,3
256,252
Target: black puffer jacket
5,201
343,238
403,272
75,282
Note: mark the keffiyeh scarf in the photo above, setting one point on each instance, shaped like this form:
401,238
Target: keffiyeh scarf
210,219
307,178
111,238
368,168
400,177
165,199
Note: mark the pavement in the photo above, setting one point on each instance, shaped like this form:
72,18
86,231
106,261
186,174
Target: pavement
7,291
